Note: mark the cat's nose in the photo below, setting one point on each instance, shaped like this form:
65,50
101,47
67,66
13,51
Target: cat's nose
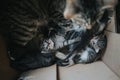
68,16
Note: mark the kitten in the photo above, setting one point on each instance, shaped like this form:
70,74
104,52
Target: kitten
92,52
93,15
63,36
70,36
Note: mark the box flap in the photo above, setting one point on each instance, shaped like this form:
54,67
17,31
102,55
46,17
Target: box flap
93,71
47,73
112,53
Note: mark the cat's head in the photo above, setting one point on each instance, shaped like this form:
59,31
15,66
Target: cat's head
98,42
86,12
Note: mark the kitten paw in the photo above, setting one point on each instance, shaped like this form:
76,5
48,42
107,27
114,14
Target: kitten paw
62,62
48,45
60,55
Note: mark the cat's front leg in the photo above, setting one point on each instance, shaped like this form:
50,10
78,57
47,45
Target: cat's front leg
47,46
60,55
50,44
63,61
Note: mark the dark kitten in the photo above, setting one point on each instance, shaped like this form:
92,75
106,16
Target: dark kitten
23,24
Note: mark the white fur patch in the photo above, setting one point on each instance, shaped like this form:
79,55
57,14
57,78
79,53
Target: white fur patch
12,58
101,27
93,43
84,56
59,41
60,55
25,76
71,62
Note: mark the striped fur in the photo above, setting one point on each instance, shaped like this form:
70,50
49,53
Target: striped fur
24,25
25,17
92,15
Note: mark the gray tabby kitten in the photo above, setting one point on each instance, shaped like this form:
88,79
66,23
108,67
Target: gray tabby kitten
91,53
71,35
94,16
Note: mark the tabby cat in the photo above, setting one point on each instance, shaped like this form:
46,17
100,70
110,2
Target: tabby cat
91,53
69,37
93,15
24,24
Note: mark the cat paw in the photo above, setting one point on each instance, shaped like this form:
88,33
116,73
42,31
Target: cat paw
60,55
48,44
62,62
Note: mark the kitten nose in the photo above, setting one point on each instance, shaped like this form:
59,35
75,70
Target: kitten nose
68,15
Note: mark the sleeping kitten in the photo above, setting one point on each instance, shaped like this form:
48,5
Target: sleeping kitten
90,53
93,15
70,36
63,36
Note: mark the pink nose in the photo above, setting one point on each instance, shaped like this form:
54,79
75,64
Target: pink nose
68,15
